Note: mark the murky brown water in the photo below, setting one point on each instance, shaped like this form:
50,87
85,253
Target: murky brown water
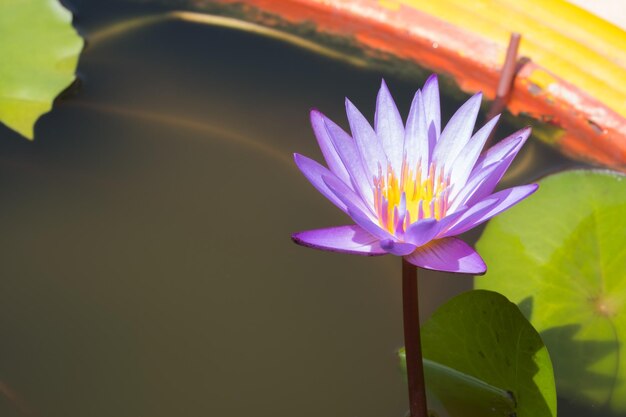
147,267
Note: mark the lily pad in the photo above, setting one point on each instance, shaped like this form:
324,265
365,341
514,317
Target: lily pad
462,394
39,51
561,255
483,358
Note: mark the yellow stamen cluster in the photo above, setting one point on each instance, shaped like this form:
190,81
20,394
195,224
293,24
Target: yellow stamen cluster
409,197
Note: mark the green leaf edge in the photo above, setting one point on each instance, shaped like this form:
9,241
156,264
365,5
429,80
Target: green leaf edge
433,366
24,123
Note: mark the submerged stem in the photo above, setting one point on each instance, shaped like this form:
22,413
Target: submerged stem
413,346
21,406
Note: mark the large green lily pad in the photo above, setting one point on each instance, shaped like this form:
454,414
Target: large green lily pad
39,53
561,255
482,358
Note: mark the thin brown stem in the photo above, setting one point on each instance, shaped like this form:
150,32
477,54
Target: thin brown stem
505,83
412,342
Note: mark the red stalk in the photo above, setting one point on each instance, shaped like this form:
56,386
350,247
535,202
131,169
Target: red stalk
412,343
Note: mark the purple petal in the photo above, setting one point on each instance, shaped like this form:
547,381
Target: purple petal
372,153
502,148
351,158
416,145
355,210
449,219
331,156
482,184
475,183
489,207
457,132
489,169
397,248
469,215
345,239
450,255
314,173
432,109
389,127
422,231
463,164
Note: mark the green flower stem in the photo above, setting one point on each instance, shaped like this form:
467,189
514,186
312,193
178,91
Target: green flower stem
412,343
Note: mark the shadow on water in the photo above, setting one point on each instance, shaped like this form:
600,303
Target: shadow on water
147,266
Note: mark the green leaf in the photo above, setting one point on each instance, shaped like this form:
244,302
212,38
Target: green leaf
561,255
39,51
462,394
483,358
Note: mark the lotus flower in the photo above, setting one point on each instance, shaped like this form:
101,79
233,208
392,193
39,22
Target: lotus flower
410,189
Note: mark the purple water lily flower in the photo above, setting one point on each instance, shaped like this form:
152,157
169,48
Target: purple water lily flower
411,188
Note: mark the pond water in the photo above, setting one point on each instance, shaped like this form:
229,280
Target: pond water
147,266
